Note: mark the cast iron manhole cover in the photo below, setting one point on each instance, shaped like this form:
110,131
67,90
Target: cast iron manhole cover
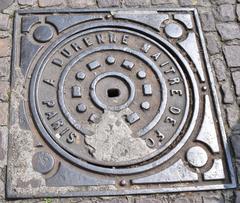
114,102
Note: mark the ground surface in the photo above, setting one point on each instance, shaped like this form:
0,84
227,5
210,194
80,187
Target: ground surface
220,22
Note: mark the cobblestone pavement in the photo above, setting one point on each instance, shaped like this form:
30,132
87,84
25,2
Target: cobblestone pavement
220,22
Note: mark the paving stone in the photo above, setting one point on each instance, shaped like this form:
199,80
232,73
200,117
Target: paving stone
228,197
235,140
117,201
4,91
216,199
227,93
232,54
225,12
5,44
185,2
79,201
134,3
147,200
108,3
183,200
232,115
208,21
194,2
2,185
4,68
3,146
213,44
81,3
238,11
237,196
219,2
50,3
157,2
4,22
3,114
229,31
205,3
5,3
236,81
238,102
220,68
27,2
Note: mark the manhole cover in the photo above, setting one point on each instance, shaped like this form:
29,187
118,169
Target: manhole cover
114,102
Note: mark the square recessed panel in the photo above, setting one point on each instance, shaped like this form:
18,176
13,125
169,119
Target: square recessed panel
113,102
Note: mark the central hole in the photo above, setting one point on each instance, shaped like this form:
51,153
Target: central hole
113,92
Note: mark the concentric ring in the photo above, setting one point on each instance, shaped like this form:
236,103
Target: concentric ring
73,121
81,163
120,76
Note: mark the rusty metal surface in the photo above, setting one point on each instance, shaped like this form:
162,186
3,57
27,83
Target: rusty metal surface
118,102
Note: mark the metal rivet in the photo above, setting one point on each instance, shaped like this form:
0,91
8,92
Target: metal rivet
128,64
94,118
81,108
93,65
141,74
42,162
110,60
204,88
80,76
76,91
123,182
147,89
145,105
43,33
132,118
174,30
197,156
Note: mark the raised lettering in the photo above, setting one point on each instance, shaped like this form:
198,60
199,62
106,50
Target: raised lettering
49,82
174,81
164,64
76,47
173,92
87,41
174,110
57,62
71,138
49,103
64,131
125,39
66,53
112,38
50,115
99,39
160,136
150,142
156,56
145,48
171,70
57,124
170,120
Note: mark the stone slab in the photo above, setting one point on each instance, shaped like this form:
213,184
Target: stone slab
5,3
229,31
231,54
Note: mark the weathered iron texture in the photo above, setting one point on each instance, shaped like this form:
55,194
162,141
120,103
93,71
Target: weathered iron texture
114,102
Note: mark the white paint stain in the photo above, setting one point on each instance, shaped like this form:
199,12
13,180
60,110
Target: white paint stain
113,141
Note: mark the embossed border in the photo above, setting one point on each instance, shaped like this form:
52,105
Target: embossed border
12,195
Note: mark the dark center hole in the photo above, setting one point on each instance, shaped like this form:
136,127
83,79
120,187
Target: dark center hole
113,92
